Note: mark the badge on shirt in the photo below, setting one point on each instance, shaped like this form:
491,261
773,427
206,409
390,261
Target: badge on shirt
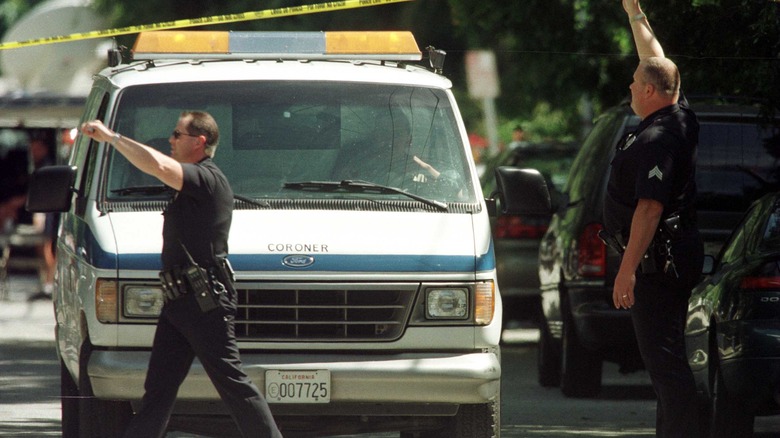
656,172
628,142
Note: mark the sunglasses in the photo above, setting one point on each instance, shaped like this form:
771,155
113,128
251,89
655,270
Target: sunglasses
176,134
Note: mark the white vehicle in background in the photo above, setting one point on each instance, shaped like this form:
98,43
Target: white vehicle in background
364,264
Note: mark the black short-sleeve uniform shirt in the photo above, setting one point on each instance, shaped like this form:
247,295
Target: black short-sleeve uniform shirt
198,217
657,161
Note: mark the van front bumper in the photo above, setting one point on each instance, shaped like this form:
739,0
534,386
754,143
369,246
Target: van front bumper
465,378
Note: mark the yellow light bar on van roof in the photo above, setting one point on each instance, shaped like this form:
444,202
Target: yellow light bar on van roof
381,45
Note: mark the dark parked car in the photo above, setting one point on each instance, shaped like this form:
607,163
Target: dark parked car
516,238
737,163
733,331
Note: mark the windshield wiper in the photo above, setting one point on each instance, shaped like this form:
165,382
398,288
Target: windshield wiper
252,201
142,190
362,186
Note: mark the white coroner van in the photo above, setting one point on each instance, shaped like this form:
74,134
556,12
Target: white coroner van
360,271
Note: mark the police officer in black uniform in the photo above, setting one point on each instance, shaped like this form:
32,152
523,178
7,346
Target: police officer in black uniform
649,210
197,319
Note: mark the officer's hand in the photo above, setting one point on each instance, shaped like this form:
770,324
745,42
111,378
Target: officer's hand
623,290
97,130
632,7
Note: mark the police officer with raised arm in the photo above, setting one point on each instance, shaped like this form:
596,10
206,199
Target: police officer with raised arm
197,319
649,211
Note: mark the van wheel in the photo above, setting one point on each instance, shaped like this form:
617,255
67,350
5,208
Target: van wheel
103,418
548,358
471,421
99,418
69,399
580,367
729,417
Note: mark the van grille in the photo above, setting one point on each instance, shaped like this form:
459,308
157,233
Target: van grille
323,313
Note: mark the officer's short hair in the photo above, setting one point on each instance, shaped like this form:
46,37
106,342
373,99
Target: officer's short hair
201,123
662,73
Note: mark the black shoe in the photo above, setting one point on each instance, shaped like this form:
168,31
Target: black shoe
39,296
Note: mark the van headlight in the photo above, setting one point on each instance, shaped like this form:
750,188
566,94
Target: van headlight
447,303
142,301
458,304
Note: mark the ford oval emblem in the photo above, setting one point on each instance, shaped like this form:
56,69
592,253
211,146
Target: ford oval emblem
298,261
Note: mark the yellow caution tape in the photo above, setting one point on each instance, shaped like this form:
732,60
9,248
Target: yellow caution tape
216,19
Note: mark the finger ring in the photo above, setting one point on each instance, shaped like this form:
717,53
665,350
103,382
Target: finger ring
624,296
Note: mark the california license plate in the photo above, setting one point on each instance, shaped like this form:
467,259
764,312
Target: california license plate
297,386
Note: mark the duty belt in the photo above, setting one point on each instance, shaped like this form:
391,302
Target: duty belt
173,284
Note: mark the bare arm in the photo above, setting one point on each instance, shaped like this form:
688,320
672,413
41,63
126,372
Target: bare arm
145,158
643,225
647,45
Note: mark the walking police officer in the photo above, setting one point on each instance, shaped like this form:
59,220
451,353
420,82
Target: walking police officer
198,316
649,209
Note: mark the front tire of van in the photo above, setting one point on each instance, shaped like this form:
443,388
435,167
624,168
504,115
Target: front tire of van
471,421
98,418
69,399
474,421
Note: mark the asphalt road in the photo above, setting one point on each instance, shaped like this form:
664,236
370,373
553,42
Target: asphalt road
30,407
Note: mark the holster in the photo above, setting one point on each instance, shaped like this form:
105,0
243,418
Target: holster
650,261
611,241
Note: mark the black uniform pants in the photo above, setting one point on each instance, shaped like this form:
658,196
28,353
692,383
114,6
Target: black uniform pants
184,332
659,315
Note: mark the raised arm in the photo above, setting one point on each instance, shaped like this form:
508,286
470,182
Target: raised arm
647,44
145,158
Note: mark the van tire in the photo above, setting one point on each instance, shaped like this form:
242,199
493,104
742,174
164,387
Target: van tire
69,400
102,418
98,418
474,421
580,367
471,421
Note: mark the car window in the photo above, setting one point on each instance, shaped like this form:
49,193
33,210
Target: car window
553,160
737,162
275,132
735,246
596,152
770,241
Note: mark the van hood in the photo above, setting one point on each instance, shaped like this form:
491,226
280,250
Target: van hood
316,240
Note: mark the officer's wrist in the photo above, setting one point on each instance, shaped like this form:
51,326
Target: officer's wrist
637,17
115,139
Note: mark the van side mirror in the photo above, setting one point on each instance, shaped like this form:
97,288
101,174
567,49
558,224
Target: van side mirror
51,189
521,191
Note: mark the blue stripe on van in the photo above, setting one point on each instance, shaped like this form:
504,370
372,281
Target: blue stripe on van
327,262
487,262
78,237
359,263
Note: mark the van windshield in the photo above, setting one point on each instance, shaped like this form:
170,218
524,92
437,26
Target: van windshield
273,133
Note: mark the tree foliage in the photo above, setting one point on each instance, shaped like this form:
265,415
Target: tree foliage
560,54
561,51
